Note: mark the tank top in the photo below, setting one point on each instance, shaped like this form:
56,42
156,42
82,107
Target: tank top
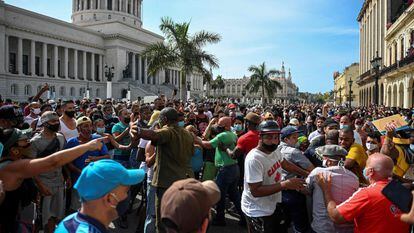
9,208
68,133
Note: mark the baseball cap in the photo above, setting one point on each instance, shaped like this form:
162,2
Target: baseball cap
288,130
103,176
48,116
83,120
187,203
294,122
253,117
10,112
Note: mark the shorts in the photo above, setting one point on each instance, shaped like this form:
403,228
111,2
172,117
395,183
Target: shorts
54,205
268,224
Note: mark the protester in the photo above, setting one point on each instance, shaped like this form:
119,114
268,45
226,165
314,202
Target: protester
105,202
67,121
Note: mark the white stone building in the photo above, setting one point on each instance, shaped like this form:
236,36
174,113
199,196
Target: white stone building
71,57
234,88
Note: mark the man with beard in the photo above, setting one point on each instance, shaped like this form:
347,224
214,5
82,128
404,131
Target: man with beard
84,125
50,184
319,131
67,121
263,183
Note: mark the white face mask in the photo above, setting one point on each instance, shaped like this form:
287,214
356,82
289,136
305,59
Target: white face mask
36,111
371,146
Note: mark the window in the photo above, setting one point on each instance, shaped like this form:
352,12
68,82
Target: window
12,63
402,49
72,91
25,64
118,8
37,66
110,5
27,90
412,38
88,4
96,4
395,52
62,91
81,91
129,7
97,93
13,89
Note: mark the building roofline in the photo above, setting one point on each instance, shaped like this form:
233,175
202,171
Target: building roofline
363,9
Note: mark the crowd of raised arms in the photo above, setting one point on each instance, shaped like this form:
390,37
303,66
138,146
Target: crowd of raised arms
83,165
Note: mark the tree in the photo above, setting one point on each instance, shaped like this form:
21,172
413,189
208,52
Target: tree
260,79
181,50
218,83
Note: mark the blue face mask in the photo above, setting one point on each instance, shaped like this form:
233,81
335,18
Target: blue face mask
364,172
342,126
412,147
181,123
238,127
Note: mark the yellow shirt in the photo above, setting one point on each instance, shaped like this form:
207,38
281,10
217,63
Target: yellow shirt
357,153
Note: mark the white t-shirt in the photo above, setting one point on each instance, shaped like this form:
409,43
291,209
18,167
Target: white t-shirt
265,168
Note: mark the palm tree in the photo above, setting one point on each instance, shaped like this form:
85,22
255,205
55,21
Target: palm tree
181,50
260,78
218,83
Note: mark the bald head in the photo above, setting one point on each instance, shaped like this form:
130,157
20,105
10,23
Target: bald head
225,122
382,165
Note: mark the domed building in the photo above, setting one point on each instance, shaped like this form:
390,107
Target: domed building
105,40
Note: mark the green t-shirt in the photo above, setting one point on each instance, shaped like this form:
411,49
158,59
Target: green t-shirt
229,139
122,154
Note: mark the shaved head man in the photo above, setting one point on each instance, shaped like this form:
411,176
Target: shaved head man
225,122
368,208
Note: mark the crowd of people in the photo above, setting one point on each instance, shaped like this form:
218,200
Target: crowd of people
306,167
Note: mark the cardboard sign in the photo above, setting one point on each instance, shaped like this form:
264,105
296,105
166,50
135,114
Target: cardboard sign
396,119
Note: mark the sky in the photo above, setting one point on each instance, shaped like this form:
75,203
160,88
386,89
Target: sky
314,38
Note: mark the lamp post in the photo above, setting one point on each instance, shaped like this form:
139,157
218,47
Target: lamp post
87,91
350,91
129,92
335,92
340,95
109,74
244,94
188,89
376,65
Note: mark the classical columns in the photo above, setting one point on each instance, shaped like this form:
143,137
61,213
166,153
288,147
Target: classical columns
44,62
66,62
84,65
33,57
92,66
133,67
75,64
7,59
19,55
55,61
140,69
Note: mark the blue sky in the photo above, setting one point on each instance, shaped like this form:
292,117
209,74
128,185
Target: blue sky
313,37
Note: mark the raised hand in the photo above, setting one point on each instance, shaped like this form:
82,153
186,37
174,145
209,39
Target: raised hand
324,183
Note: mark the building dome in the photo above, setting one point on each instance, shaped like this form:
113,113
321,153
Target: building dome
94,12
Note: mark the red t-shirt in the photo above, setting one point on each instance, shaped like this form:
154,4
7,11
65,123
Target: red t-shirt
371,211
248,141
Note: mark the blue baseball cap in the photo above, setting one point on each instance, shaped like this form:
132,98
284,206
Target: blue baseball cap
103,176
288,130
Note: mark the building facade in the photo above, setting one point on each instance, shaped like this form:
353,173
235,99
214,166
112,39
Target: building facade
234,88
386,31
71,57
342,87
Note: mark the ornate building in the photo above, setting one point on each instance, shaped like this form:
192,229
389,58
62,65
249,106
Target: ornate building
387,33
341,85
71,57
236,88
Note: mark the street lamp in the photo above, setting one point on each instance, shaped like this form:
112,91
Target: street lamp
376,65
243,94
129,92
188,89
109,74
350,91
87,91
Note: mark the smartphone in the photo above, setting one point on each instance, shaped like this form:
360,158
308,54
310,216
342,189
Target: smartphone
398,195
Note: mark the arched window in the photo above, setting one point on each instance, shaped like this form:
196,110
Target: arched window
97,93
81,92
72,91
27,90
13,89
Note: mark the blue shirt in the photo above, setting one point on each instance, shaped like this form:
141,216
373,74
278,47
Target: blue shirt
80,223
80,161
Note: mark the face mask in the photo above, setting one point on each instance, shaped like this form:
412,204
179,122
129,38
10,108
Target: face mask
342,126
371,146
100,130
364,172
181,124
238,127
36,111
122,206
127,120
70,114
53,128
412,147
271,147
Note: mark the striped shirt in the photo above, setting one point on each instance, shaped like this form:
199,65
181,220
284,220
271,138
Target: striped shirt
80,223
